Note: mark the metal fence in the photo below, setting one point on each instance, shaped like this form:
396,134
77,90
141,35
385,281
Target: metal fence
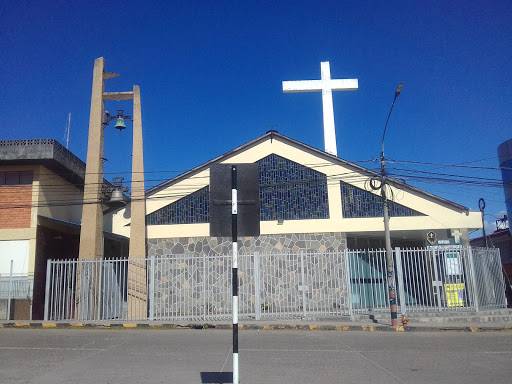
12,287
274,285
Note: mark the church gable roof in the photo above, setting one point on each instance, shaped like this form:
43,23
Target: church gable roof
274,136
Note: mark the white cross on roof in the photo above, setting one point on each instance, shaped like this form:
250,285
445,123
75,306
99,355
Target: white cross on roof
326,85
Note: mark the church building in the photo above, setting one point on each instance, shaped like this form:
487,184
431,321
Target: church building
310,200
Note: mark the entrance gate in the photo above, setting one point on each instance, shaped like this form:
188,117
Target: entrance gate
283,286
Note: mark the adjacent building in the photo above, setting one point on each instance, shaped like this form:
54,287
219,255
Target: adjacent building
41,198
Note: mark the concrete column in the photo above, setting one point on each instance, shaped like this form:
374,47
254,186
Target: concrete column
92,214
91,232
137,286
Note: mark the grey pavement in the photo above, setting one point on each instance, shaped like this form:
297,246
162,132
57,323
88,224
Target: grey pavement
89,355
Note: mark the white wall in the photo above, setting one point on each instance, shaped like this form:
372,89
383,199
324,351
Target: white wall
16,250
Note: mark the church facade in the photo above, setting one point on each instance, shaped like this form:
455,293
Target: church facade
309,201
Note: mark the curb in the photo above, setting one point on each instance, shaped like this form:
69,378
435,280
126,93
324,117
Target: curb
264,327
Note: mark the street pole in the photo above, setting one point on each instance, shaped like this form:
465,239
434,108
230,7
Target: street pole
389,252
234,238
481,205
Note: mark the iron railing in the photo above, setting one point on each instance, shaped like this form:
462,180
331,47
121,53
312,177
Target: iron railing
285,286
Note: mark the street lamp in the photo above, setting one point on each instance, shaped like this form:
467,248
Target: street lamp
389,252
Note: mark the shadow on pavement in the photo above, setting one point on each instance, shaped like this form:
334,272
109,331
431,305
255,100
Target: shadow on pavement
217,377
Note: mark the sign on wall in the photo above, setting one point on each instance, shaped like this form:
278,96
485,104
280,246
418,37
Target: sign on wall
452,263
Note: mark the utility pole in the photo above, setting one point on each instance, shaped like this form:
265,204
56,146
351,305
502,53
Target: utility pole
389,252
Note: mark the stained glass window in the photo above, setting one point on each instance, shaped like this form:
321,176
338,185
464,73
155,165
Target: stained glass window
194,208
357,202
291,191
288,191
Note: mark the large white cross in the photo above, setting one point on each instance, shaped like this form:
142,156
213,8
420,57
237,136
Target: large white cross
326,85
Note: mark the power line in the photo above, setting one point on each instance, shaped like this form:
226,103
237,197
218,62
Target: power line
454,165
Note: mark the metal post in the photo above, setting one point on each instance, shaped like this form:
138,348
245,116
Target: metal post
303,282
234,235
205,308
152,289
9,293
257,292
474,288
400,279
100,290
349,287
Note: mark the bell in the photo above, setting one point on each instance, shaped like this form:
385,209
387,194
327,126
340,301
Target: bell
120,124
117,196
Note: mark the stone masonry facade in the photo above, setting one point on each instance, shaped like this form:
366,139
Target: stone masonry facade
192,276
280,243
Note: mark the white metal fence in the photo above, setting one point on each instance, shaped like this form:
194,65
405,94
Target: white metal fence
274,285
12,287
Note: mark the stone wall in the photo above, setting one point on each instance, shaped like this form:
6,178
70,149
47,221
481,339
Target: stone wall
282,243
292,274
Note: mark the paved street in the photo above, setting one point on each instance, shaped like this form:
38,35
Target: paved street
203,356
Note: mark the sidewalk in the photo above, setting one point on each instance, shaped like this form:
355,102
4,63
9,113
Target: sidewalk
483,322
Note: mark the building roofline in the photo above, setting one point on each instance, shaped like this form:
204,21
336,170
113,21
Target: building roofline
273,135
49,153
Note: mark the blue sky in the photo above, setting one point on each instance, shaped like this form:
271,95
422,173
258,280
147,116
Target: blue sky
210,74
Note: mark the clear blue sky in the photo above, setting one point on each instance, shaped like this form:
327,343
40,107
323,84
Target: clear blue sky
210,74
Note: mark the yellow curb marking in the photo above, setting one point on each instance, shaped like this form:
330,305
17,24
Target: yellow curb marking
312,327
474,329
240,326
129,325
21,325
367,328
399,328
105,325
76,324
155,325
267,327
49,325
344,328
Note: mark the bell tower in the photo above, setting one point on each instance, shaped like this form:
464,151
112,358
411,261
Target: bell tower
91,235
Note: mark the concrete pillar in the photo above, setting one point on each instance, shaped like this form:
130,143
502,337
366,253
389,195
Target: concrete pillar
92,213
91,232
137,287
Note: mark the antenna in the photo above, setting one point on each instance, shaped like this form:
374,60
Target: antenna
67,130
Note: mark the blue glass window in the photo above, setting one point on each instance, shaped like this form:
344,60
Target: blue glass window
291,191
357,202
288,191
194,208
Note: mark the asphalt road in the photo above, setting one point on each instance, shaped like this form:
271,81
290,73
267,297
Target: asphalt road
204,356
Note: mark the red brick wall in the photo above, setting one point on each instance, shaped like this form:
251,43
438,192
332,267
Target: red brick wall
15,206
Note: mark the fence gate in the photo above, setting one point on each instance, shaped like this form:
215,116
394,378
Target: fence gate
286,286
